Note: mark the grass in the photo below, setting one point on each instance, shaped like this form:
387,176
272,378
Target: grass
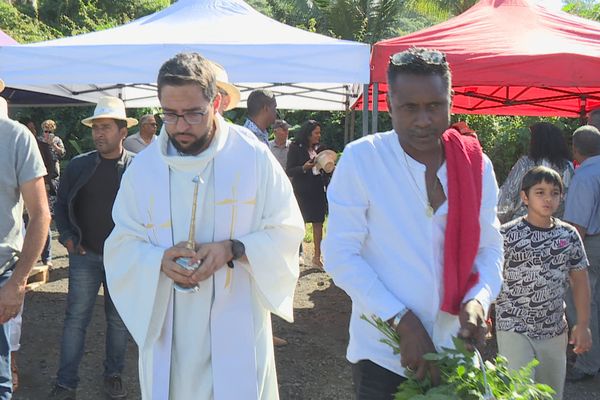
308,236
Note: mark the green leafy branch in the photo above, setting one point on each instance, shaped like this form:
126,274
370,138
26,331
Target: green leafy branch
462,377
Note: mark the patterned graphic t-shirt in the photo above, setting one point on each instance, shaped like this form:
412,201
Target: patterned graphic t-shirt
536,275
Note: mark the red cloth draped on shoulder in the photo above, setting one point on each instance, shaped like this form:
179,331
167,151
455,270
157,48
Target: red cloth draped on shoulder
464,163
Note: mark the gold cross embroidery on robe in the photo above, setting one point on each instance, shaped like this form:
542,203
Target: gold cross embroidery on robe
234,202
150,226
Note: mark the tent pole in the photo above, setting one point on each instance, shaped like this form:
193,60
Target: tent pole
346,126
365,119
582,113
352,126
375,107
346,116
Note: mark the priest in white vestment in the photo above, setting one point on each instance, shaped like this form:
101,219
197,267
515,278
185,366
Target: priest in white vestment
214,342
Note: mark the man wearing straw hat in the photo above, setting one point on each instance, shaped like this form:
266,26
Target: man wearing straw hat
83,208
230,95
208,192
22,178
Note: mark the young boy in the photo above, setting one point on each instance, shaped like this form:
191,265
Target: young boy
542,255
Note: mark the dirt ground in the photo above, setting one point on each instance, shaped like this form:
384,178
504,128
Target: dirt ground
311,367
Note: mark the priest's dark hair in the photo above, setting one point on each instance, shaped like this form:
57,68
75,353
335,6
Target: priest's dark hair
419,61
186,68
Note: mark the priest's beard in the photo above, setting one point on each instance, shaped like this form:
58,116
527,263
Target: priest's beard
196,147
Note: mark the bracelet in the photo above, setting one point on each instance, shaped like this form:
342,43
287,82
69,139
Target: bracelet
398,317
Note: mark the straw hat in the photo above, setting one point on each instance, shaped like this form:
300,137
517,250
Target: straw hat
223,84
325,160
110,107
1,85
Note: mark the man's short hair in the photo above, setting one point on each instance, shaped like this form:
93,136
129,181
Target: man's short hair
145,117
188,68
281,123
586,140
594,118
541,174
257,100
419,61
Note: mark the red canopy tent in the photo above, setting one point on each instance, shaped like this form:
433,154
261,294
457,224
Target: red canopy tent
509,57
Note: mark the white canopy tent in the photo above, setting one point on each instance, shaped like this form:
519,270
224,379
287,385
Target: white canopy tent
305,70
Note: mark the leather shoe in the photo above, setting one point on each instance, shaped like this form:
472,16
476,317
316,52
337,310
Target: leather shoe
577,375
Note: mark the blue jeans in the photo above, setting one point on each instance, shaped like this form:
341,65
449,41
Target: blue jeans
86,274
5,372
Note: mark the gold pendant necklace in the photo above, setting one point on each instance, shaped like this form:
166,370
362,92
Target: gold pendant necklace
424,199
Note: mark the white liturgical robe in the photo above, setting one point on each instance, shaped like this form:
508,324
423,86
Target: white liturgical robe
215,343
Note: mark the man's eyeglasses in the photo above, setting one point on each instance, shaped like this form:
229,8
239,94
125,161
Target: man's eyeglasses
191,117
432,57
45,131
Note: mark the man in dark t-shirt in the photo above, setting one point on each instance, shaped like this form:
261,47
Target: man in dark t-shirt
83,209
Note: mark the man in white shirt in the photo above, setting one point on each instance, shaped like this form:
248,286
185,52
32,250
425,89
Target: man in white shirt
146,135
386,245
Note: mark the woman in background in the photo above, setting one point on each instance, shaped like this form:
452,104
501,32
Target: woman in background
547,147
308,182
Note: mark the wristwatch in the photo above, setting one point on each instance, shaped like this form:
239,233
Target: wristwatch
238,250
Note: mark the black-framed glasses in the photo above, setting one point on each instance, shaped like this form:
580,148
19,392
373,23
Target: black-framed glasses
191,117
432,57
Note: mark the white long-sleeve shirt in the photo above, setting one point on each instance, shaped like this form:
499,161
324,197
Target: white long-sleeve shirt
387,254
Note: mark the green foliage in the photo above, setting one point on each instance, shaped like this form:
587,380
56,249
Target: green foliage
506,138
72,17
363,20
462,378
439,10
22,27
589,9
68,124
